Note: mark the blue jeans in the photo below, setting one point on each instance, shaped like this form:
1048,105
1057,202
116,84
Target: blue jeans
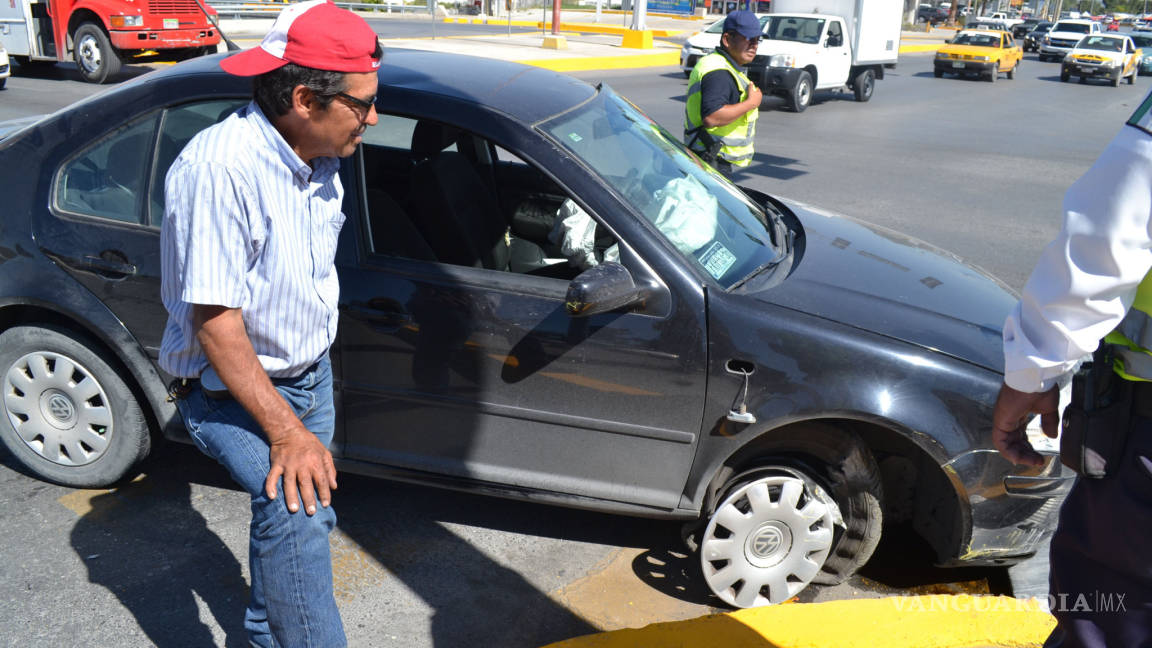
291,596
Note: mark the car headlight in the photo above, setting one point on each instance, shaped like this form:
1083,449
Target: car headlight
127,21
941,55
1046,40
782,60
1146,59
982,58
1111,64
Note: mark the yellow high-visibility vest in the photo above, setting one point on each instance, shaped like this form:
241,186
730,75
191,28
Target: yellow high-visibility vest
736,138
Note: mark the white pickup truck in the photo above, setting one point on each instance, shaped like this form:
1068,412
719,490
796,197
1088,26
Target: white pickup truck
846,46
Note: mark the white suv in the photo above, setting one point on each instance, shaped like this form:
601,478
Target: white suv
1063,37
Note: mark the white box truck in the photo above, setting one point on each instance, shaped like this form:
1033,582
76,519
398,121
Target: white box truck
811,45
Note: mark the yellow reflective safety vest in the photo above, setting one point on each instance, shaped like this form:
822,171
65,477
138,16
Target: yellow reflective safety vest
1132,339
736,138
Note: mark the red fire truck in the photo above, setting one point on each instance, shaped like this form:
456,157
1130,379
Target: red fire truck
100,34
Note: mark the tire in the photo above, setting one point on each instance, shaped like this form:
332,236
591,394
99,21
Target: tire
938,74
994,73
1011,74
1064,76
864,84
801,94
820,471
94,54
3,82
46,373
1116,80
1132,78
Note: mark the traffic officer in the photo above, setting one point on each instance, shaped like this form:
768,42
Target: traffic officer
723,104
1093,282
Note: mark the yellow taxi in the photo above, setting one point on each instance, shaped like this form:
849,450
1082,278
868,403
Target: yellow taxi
979,52
1103,56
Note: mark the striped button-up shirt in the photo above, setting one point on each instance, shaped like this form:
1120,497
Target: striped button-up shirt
249,225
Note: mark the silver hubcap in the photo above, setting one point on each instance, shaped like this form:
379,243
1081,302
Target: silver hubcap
57,408
767,540
89,51
804,93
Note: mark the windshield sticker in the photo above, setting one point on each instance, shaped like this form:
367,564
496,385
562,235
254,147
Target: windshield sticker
575,137
717,260
1142,118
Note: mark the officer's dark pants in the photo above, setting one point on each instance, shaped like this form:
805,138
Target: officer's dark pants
1101,557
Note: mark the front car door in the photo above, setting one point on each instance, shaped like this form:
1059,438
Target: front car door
836,56
467,369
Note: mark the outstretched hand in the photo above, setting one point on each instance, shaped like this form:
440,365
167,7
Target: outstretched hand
1010,418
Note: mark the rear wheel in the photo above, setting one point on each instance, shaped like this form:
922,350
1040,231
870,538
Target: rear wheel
94,54
1012,73
68,415
1132,78
801,93
864,84
808,512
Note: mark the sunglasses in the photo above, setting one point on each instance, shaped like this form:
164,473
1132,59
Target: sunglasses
362,106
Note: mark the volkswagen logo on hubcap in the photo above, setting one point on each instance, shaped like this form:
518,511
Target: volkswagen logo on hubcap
58,409
767,542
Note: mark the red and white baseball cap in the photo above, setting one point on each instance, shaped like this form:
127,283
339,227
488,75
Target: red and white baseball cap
315,34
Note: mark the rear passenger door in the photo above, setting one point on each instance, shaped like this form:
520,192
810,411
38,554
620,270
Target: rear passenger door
470,374
106,204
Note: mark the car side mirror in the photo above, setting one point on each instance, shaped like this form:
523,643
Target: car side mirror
601,289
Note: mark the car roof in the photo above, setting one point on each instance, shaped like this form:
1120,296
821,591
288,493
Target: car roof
528,94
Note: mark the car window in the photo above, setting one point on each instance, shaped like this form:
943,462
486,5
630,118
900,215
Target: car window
106,180
977,39
179,126
441,193
792,28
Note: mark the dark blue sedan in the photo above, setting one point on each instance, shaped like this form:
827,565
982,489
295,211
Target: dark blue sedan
545,296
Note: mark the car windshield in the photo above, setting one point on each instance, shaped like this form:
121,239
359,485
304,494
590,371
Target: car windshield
1142,41
1079,28
1101,43
794,28
978,39
1041,28
717,228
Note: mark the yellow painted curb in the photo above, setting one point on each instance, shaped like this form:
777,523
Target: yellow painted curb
586,28
939,621
578,64
904,49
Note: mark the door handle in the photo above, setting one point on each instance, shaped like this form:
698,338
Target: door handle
380,315
107,266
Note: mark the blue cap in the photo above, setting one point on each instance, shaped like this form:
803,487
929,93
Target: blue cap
743,22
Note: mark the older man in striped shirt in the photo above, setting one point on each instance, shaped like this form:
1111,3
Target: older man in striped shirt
252,216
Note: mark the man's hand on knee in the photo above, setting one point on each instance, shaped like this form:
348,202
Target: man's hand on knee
307,469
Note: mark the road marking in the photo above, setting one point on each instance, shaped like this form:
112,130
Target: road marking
941,621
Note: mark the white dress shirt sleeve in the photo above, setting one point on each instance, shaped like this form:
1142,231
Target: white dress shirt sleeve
1086,279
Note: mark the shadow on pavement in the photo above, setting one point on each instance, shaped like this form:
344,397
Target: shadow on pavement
69,72
145,543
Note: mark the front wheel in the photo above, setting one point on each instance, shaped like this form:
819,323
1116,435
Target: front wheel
864,84
68,415
94,54
938,74
808,512
801,93
994,73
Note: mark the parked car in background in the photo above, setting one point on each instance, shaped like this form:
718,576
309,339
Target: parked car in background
979,52
783,378
1113,57
1020,30
704,42
931,14
1032,39
1144,42
5,67
1063,37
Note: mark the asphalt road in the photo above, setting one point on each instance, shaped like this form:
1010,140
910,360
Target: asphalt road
974,167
